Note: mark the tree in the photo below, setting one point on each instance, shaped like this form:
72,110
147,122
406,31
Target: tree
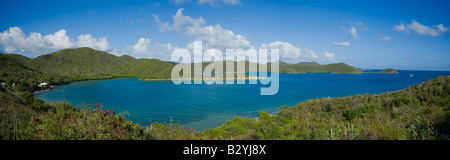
10,80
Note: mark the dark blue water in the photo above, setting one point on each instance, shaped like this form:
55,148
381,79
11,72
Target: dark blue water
209,106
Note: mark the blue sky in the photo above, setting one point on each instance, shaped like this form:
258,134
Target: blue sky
367,34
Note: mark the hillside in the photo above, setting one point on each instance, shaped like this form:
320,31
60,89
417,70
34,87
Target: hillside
418,112
91,64
70,65
17,66
314,67
80,64
301,67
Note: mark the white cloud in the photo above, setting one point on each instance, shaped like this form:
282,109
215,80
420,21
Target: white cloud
401,28
92,42
421,29
342,44
310,54
214,3
352,32
231,2
212,36
328,56
14,40
142,46
144,49
382,37
441,28
179,2
353,29
286,50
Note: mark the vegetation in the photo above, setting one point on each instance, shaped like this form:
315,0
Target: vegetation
314,67
418,112
389,70
82,64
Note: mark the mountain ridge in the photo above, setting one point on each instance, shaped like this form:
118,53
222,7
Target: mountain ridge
84,63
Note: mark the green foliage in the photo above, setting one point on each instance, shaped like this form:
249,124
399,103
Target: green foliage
418,112
314,67
25,118
70,65
360,112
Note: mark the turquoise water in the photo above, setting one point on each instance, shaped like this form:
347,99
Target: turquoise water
209,106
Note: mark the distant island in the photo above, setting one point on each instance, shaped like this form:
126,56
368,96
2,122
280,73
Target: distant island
314,67
389,70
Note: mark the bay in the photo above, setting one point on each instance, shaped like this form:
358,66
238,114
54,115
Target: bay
209,106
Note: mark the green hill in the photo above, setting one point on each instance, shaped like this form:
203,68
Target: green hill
80,64
389,70
314,67
70,65
301,67
419,112
86,63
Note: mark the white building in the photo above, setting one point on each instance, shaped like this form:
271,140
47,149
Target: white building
43,85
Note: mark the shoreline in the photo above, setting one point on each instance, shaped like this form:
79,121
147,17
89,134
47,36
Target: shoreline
193,79
272,112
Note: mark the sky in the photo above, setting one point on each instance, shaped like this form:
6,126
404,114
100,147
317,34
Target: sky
401,34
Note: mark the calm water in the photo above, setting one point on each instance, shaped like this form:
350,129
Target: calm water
209,106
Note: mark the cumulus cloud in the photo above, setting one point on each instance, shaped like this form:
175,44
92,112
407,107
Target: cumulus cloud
144,49
92,42
421,29
14,40
286,50
212,36
342,44
142,46
217,37
214,3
